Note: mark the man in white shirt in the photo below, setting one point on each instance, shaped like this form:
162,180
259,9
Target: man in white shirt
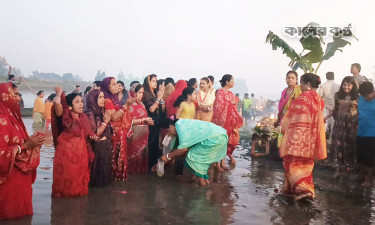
328,91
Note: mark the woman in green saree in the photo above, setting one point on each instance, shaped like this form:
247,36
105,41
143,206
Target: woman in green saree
204,142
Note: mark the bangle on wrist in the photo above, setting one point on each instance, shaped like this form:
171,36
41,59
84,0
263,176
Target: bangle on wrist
104,123
19,149
168,157
122,111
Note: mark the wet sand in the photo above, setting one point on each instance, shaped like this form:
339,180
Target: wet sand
246,194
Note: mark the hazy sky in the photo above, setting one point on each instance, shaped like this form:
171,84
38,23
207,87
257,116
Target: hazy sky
181,39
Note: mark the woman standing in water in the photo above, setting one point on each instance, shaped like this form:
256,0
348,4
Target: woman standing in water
155,107
137,144
289,94
204,142
225,114
120,122
101,168
19,157
304,139
206,99
345,113
71,173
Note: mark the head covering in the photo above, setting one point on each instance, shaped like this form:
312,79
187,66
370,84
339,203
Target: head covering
132,89
11,120
180,86
169,89
92,103
104,87
148,89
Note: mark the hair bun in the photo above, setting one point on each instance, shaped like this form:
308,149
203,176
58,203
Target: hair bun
318,80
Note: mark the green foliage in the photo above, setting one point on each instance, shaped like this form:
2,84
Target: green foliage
313,44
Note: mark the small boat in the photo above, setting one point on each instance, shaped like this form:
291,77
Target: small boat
27,112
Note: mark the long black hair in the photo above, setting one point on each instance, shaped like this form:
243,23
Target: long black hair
70,97
353,93
183,97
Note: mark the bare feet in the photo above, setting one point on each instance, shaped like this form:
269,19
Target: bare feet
223,165
232,160
202,181
207,181
218,167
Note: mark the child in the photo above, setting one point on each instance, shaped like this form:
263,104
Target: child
186,105
366,131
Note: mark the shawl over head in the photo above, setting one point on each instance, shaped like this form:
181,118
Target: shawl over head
15,134
180,86
104,87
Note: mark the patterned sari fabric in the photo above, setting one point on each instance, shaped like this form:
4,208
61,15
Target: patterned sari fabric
286,100
225,114
17,171
137,144
207,144
304,141
119,142
71,173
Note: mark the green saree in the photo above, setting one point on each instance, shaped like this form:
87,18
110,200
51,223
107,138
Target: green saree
207,144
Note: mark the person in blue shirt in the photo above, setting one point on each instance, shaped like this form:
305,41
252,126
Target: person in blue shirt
366,131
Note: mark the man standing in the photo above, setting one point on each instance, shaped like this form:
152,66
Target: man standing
355,69
247,102
76,91
327,91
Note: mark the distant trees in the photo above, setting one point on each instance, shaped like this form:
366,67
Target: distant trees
100,75
53,76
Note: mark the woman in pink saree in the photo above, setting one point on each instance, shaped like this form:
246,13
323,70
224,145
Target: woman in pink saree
138,136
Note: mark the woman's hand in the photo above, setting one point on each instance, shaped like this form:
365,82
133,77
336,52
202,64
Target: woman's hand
58,90
149,121
93,137
107,116
34,141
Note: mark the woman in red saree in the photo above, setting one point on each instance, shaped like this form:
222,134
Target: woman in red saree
304,139
19,157
120,122
137,143
225,114
71,129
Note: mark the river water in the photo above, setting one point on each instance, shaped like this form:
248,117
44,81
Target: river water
246,194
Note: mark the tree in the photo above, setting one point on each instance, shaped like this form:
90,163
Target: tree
313,43
100,75
121,76
67,76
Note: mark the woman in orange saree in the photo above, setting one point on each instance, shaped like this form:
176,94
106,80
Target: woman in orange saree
19,157
71,130
225,114
304,139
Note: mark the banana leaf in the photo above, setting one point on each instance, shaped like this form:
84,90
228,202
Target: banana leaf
277,42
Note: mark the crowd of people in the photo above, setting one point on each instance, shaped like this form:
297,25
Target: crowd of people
309,115
107,132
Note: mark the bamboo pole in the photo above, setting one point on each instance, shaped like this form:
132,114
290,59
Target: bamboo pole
3,59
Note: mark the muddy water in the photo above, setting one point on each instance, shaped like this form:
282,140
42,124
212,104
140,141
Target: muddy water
247,194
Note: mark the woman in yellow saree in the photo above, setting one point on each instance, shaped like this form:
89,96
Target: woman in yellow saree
304,139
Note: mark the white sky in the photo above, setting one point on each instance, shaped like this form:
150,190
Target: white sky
182,39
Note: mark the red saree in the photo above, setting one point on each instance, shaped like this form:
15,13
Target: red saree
304,141
17,171
225,114
71,173
119,142
137,144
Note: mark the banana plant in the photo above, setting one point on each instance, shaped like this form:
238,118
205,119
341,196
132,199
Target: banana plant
312,44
